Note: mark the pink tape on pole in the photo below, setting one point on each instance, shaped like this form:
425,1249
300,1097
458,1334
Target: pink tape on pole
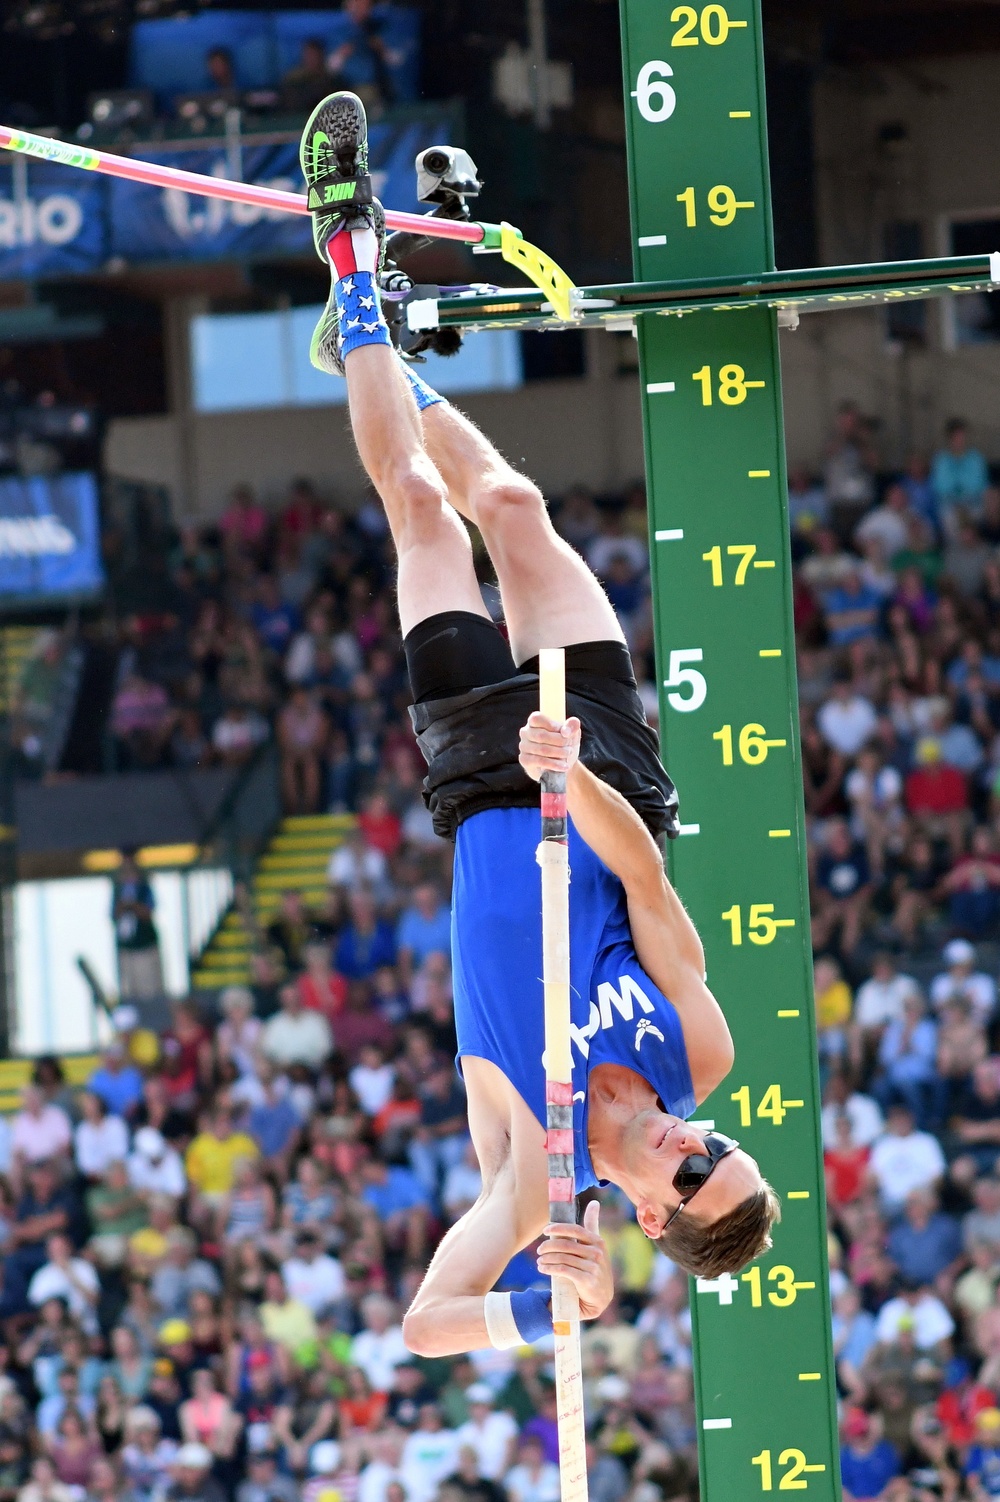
553,805
559,1140
560,1191
558,1093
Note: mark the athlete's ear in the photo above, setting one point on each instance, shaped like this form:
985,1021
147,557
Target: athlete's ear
652,1218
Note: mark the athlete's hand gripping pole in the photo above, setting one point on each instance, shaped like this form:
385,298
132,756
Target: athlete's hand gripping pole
553,857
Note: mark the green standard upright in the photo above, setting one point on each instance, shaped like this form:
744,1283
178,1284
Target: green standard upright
715,467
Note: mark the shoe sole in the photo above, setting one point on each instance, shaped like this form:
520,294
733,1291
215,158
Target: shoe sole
338,128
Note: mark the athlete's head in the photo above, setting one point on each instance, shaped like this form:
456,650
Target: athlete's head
696,1193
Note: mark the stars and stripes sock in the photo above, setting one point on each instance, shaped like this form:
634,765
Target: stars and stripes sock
354,254
425,395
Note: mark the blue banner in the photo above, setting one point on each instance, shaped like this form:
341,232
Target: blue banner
59,220
49,538
52,219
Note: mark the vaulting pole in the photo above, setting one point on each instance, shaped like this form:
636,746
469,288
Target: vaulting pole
64,154
553,857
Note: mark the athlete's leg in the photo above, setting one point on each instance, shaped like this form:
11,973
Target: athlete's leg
352,338
551,598
436,571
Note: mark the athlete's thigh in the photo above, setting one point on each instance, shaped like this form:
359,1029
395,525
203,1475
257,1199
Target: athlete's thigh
550,596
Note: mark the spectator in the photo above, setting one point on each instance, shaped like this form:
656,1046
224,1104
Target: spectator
367,941
424,929
66,1277
296,1036
925,1243
211,1159
532,1478
847,719
958,475
40,1133
429,1455
140,976
361,61
117,1084
303,731
154,1167
843,888
962,979
312,1276
438,1143
904,1159
379,1347
907,1055
490,1435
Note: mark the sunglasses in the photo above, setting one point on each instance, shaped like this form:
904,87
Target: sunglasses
696,1169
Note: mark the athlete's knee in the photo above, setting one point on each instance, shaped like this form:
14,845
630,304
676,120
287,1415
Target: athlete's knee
417,500
509,500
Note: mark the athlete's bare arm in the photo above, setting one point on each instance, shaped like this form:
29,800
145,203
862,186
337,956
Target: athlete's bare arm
665,939
446,1317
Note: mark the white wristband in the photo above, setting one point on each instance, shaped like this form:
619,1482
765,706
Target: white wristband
501,1326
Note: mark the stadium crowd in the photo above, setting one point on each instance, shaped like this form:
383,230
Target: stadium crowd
207,1252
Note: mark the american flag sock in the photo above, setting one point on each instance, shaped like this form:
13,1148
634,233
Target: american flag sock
424,395
354,256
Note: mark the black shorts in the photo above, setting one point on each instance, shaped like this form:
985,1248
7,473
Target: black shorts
471,699
456,651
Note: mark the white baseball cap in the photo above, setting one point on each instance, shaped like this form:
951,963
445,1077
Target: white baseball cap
150,1143
324,1457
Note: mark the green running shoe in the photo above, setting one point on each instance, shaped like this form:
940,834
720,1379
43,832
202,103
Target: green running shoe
334,157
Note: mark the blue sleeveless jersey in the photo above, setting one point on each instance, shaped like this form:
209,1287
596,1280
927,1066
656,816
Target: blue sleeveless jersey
618,1015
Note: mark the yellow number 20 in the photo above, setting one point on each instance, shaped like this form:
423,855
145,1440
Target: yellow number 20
715,25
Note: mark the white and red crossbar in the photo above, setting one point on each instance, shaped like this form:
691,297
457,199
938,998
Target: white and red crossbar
66,154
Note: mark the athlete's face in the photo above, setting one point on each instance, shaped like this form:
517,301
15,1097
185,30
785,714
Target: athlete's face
653,1148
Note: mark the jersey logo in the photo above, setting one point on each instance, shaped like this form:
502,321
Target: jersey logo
645,1026
602,1011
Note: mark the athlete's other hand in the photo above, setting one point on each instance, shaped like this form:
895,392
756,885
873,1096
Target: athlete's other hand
547,746
579,1254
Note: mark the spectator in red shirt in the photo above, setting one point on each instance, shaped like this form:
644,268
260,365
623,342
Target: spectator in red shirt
938,796
380,826
320,987
302,510
961,1400
846,1165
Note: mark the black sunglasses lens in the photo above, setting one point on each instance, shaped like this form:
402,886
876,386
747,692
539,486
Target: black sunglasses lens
695,1169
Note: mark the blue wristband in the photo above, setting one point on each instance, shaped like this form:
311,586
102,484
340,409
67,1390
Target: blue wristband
517,1319
532,1311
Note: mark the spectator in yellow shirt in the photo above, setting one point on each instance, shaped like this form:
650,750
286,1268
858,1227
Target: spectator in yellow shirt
632,1253
288,1322
210,1162
834,1003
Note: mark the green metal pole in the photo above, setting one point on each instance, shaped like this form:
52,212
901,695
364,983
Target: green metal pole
694,85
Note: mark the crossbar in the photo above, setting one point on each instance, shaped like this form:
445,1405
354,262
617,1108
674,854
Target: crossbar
64,154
